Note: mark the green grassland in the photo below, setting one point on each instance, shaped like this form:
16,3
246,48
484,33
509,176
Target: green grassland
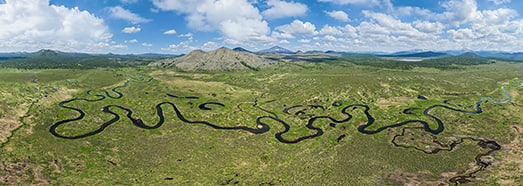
178,153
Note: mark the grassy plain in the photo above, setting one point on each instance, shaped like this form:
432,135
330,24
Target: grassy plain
183,154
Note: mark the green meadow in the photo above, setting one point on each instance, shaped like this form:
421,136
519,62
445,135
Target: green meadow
179,153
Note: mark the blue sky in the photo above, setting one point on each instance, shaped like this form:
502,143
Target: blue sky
179,26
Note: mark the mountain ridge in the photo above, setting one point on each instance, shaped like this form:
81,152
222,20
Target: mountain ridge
276,49
416,54
221,59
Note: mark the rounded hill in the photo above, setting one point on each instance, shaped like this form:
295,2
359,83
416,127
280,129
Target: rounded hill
220,59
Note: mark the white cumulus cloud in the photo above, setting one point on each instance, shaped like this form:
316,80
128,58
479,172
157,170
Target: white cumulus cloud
131,41
280,9
119,46
429,27
298,27
131,30
459,11
339,15
304,40
284,41
346,31
147,44
236,20
120,13
393,25
188,35
35,24
454,25
170,32
181,47
210,46
331,30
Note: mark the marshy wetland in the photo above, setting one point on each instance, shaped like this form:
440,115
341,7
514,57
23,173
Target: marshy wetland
295,123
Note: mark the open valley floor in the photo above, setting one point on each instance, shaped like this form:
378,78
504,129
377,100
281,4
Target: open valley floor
296,123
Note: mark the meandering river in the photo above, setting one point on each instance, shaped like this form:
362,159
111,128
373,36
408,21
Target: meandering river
263,122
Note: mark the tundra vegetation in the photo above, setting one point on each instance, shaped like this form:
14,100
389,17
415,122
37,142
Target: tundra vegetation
289,95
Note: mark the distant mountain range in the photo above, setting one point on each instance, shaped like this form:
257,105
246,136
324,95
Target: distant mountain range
276,49
56,53
46,58
518,56
409,52
227,59
240,49
416,54
272,50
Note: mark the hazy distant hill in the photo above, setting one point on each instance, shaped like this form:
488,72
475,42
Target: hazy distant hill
219,59
407,52
468,58
240,59
240,49
46,58
417,54
12,55
517,56
444,62
276,49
